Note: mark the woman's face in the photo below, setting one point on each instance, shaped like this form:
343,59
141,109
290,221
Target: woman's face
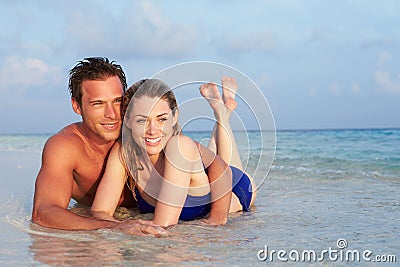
151,122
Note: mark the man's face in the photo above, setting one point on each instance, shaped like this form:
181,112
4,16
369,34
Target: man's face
100,109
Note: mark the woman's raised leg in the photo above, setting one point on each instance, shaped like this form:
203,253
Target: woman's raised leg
222,136
222,140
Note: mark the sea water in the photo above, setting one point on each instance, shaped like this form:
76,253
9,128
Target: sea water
330,196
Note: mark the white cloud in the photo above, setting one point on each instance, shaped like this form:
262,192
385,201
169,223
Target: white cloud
355,89
140,30
255,42
384,56
19,74
312,92
321,34
379,42
386,83
335,90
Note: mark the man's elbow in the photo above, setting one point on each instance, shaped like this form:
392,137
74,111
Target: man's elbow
40,215
37,216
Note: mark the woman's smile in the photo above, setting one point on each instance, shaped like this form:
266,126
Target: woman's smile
151,141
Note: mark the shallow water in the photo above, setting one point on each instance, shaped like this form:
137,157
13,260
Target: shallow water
323,186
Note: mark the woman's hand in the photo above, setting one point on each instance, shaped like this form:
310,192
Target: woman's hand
141,228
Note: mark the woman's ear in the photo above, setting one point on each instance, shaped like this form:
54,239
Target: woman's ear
75,106
175,117
126,122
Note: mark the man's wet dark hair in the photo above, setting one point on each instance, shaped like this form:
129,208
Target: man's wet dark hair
91,69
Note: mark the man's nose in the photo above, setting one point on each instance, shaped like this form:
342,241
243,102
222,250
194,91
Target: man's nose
111,112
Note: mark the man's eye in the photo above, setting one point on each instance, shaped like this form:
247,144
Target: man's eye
119,100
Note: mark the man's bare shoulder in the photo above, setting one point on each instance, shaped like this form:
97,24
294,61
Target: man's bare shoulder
70,138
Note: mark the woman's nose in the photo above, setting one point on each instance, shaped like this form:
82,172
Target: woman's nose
152,127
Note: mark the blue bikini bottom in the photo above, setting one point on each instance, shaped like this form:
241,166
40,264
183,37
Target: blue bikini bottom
199,206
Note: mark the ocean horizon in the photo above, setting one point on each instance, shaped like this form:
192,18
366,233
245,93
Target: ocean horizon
246,130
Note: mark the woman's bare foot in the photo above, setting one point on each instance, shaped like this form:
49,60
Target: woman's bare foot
229,89
221,105
210,92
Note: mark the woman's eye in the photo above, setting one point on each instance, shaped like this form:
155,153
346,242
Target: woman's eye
141,121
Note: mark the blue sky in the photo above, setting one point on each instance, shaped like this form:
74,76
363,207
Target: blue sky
320,64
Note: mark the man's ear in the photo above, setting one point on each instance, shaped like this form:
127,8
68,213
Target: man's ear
75,106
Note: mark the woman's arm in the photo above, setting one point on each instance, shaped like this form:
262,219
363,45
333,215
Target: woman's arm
111,186
181,156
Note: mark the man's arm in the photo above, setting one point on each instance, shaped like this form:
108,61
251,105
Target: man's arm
220,178
53,189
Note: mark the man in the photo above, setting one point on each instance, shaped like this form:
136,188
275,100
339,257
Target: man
74,159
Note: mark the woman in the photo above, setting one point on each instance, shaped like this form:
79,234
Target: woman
165,169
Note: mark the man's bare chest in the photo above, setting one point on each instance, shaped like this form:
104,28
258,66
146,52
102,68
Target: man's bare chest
86,179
